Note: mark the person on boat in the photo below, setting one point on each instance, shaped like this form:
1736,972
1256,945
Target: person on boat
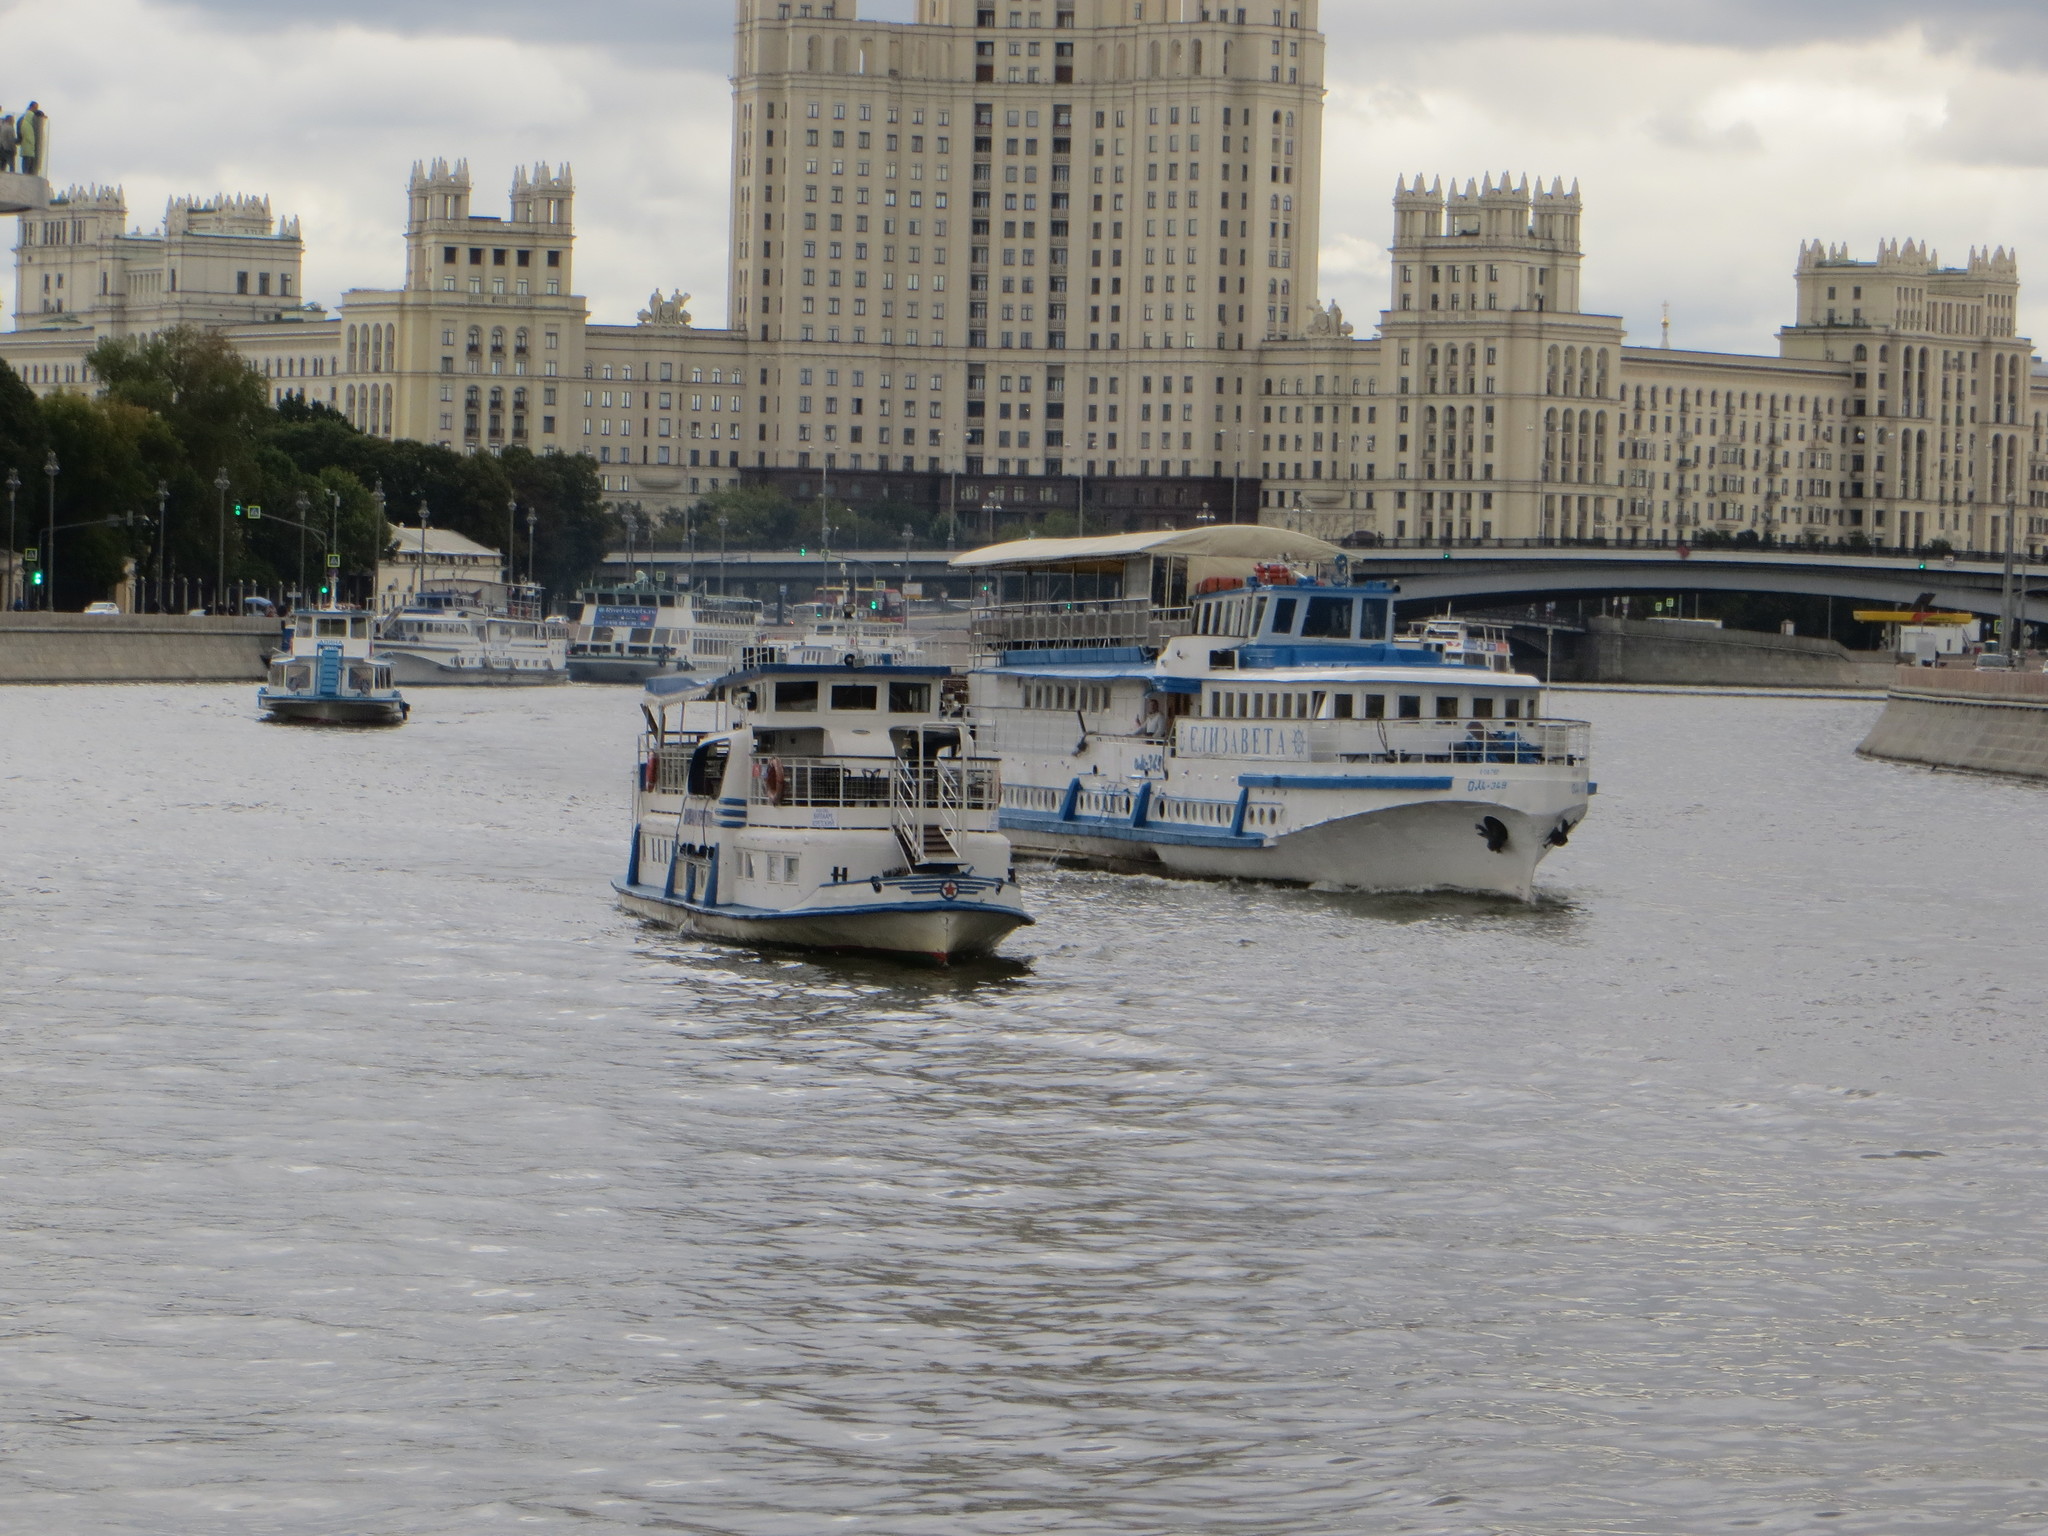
1152,725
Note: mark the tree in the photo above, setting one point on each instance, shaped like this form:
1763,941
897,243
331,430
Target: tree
111,456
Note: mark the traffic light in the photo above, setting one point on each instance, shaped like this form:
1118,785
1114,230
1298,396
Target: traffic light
238,509
36,580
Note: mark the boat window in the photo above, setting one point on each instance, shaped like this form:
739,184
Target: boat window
1328,618
334,627
1514,709
1283,615
358,628
910,698
1375,706
796,697
1411,706
1315,705
1374,620
1482,709
641,636
707,767
853,695
1340,707
1259,613
1446,708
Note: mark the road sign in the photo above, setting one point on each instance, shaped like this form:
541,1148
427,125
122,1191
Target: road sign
255,514
334,562
28,556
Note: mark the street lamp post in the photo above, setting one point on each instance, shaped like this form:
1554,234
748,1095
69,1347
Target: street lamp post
906,562
301,505
50,536
532,522
723,527
163,517
13,593
511,541
220,566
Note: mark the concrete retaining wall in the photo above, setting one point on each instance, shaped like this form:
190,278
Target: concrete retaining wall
1645,651
133,648
1989,721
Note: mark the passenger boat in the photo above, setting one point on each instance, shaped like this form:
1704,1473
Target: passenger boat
628,634
1274,726
448,634
327,674
840,642
824,807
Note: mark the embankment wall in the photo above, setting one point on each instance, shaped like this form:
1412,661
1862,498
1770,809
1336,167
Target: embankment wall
1993,722
133,648
1646,651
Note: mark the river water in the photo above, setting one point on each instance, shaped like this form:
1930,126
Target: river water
363,1171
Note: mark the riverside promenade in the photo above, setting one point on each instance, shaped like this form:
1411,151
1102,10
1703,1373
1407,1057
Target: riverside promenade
133,648
1992,722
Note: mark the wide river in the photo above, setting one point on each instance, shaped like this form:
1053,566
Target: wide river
364,1172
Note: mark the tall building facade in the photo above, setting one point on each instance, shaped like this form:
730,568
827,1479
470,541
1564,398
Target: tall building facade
1063,253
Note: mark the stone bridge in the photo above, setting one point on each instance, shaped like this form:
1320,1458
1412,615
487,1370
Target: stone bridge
1968,584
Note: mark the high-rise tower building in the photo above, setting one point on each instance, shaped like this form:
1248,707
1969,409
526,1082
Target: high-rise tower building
1054,228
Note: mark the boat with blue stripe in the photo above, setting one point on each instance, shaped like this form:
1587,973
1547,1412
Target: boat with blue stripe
327,673
1256,711
827,807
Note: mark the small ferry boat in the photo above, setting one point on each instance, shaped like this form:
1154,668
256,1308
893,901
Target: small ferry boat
630,633
1266,725
824,807
449,634
326,673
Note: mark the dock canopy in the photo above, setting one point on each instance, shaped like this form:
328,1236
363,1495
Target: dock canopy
1226,541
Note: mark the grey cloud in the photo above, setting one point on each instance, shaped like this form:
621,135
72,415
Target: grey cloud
699,30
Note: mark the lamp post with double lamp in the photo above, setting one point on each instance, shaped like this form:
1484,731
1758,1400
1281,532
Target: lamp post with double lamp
724,525
220,567
50,539
906,568
532,522
511,542
12,594
300,504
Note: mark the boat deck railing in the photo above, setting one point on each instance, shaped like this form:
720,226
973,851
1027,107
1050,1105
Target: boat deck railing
876,783
1559,743
1082,624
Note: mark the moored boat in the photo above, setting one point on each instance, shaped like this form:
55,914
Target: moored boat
448,635
328,674
631,633
826,807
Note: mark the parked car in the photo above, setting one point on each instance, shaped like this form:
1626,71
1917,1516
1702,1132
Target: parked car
102,608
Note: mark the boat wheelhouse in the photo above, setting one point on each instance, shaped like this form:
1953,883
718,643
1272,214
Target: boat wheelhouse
828,807
633,632
1288,731
328,674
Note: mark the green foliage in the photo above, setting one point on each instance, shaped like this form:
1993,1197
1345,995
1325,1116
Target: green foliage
183,409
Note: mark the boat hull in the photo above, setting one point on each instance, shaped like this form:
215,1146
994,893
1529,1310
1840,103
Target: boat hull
941,931
1438,846
318,711
410,670
618,669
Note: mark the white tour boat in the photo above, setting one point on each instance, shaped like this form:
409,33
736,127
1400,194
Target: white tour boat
448,635
328,674
1270,727
629,634
829,807
841,642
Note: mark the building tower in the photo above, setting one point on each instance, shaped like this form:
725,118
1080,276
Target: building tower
1045,214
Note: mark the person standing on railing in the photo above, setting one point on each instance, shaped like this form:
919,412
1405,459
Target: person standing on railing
10,142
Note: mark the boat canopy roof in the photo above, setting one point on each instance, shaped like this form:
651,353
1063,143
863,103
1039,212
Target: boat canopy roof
1242,541
824,670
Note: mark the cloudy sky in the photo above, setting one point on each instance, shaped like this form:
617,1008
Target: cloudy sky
1709,136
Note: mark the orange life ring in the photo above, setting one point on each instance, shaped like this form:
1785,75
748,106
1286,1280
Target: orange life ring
774,782
650,772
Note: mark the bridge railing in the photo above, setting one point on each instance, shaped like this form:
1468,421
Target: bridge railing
1782,547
